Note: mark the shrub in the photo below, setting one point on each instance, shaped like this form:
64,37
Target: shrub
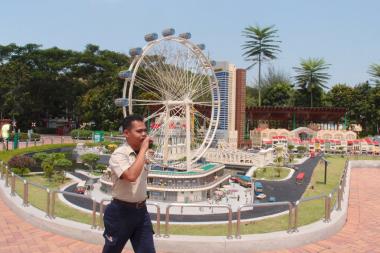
81,134
100,167
301,149
24,136
40,156
22,162
111,147
21,171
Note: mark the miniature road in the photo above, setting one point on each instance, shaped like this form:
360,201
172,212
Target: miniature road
283,191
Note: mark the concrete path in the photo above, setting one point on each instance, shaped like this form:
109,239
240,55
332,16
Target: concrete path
362,230
360,234
18,236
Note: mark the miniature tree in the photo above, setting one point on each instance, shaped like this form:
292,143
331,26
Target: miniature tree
90,160
60,166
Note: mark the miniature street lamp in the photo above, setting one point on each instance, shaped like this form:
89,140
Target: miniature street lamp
326,163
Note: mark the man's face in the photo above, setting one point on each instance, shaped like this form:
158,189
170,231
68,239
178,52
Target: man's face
136,134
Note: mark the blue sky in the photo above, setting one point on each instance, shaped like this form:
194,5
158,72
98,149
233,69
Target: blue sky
345,33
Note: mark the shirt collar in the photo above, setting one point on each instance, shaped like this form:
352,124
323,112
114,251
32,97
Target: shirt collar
129,149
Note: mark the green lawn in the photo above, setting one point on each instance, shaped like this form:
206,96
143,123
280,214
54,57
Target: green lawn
38,199
271,173
308,212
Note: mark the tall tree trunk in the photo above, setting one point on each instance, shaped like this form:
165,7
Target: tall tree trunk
311,97
260,79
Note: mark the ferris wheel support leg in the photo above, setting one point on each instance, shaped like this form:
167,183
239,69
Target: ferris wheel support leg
188,138
165,151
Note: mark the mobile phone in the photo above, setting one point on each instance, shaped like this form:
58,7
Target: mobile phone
150,144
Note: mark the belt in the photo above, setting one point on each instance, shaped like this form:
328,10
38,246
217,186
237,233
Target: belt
136,205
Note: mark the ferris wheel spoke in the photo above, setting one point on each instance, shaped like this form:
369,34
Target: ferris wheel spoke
203,103
161,80
201,93
200,83
155,114
142,102
150,86
152,79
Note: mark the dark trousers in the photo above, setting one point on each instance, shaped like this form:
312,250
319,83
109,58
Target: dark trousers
121,223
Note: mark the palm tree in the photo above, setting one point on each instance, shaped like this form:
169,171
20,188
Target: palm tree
311,75
374,71
260,46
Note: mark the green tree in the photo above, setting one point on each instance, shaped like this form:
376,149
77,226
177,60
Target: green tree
90,159
374,71
260,45
365,99
251,94
342,95
60,166
279,94
48,168
312,75
37,83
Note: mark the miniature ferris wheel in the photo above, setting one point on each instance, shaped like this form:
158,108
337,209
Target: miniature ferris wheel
173,85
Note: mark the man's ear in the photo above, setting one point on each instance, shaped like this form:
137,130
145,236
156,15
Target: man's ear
126,133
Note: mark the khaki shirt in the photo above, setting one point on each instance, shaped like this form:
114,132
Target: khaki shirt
121,160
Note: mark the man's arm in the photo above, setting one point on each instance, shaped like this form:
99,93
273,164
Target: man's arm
133,172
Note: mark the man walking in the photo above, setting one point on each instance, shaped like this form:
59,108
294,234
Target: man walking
126,217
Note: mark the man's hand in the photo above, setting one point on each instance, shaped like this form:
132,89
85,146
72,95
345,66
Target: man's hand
145,145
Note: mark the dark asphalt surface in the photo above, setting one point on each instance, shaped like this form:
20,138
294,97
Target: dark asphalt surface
283,191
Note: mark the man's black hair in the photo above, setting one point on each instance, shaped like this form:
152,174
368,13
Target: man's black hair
127,121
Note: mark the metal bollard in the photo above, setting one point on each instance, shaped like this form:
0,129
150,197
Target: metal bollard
101,215
35,142
327,208
62,140
295,224
26,193
6,176
158,221
51,141
290,220
93,213
27,143
13,184
2,169
229,228
340,195
166,235
238,222
48,204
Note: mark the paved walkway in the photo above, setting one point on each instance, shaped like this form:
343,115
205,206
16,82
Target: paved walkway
362,230
360,234
18,236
